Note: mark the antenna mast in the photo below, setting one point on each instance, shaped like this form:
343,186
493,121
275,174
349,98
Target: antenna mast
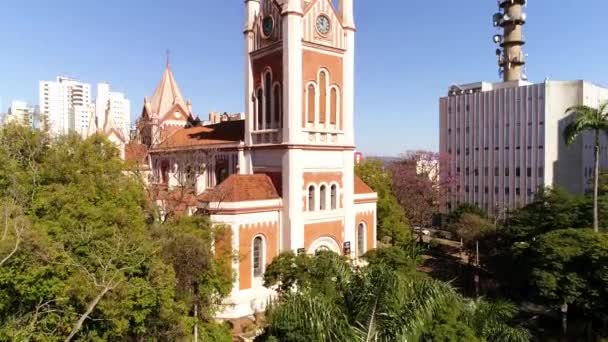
511,59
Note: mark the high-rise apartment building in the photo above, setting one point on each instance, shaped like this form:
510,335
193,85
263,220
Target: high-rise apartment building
66,105
112,110
22,113
505,140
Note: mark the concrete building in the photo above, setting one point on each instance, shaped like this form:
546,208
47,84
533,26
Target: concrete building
66,105
22,113
504,140
112,109
283,178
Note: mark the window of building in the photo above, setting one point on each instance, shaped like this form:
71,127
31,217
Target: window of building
485,190
311,103
361,239
334,197
517,192
476,172
258,257
506,172
311,198
496,190
485,171
541,172
466,189
268,99
278,115
466,171
496,172
517,172
260,108
506,190
322,97
323,197
333,103
476,189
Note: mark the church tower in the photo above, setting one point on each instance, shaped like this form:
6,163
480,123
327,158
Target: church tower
299,72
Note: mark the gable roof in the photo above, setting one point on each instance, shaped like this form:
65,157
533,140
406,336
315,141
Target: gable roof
361,187
242,188
166,95
228,132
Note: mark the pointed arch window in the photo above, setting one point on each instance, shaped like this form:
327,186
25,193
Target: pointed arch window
278,116
260,108
258,257
322,97
361,239
268,100
311,103
334,197
311,198
323,197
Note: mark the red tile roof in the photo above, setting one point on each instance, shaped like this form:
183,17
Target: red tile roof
240,188
361,187
229,132
136,152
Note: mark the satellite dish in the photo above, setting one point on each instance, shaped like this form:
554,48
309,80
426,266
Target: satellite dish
497,38
524,16
498,52
496,18
506,17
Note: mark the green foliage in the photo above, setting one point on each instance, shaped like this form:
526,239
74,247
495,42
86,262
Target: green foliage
88,264
382,301
470,228
396,258
571,266
552,209
465,208
393,226
319,274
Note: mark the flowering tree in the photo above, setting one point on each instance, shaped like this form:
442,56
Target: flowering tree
422,183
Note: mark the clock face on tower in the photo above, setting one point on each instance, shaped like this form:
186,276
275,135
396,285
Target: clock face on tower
323,24
267,26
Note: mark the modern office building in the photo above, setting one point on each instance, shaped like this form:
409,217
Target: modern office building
504,140
66,105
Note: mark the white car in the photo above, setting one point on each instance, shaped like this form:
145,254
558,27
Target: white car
423,231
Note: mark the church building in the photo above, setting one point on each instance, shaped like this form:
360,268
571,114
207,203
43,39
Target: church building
282,178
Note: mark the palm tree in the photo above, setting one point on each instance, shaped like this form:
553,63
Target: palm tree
376,303
595,120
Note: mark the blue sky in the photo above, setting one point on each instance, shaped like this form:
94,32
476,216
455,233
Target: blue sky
408,53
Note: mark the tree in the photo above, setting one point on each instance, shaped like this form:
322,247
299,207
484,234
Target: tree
374,303
421,185
570,267
595,120
470,228
393,226
89,263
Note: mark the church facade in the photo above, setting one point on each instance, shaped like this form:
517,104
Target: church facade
283,178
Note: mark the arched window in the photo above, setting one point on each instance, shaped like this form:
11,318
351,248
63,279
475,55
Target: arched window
334,197
333,103
361,239
322,97
260,111
323,197
268,100
311,103
258,257
311,198
278,116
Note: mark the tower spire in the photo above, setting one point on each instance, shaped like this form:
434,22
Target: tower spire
168,57
511,59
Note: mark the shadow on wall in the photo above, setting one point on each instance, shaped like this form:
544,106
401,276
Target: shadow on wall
568,167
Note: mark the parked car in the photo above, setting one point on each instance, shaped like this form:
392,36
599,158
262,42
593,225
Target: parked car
422,231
